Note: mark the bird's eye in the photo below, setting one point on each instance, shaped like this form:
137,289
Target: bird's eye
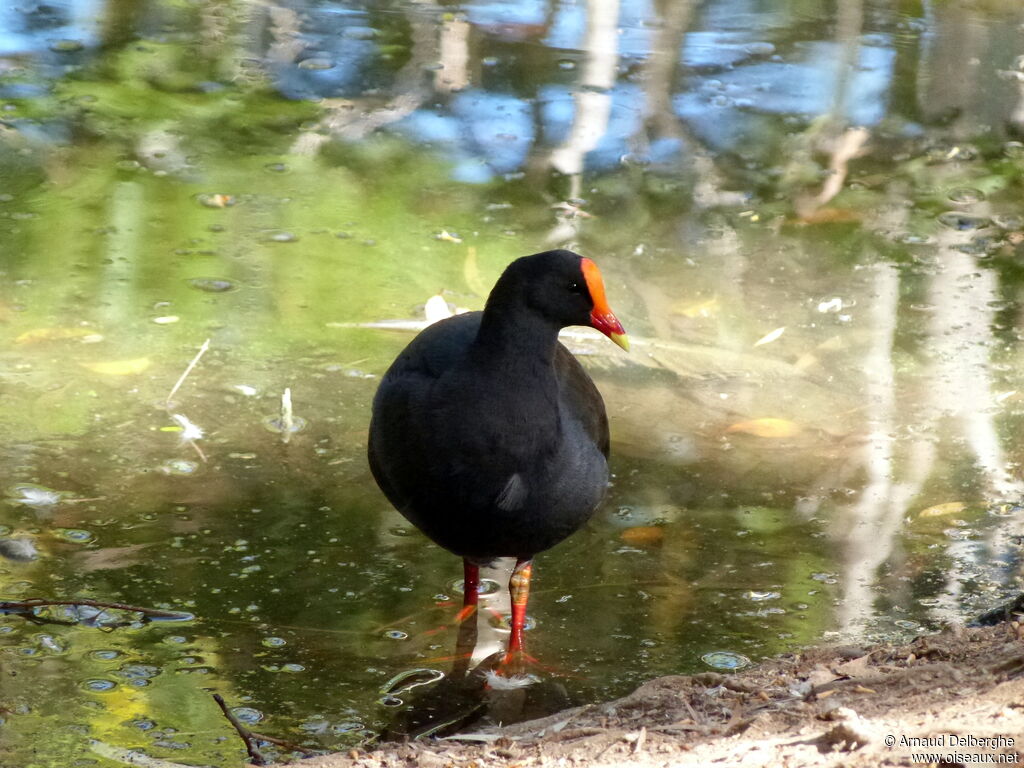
576,287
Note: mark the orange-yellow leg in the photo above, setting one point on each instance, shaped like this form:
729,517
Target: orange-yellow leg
519,589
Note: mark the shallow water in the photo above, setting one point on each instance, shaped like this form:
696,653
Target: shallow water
815,436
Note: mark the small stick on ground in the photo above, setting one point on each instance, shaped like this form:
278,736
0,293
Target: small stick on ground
243,733
36,602
188,370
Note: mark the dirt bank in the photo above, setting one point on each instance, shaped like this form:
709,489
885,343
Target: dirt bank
958,694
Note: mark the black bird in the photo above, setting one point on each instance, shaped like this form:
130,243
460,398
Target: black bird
488,435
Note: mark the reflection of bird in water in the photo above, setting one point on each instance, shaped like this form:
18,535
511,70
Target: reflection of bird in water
489,436
430,703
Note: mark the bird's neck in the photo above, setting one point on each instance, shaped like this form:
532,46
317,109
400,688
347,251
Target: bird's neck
514,336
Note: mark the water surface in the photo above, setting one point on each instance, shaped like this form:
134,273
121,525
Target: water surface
809,222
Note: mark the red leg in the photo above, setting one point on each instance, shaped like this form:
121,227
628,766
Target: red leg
519,589
470,589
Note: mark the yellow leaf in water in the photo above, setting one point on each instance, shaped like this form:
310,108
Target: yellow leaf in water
119,367
768,338
766,428
949,508
643,535
706,308
57,334
471,273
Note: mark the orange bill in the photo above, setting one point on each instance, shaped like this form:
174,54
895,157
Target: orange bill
601,317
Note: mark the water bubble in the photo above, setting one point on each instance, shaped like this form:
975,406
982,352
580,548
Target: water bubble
104,654
907,624
396,634
1014,149
276,424
909,239
725,660
179,467
247,714
138,671
276,167
293,668
1009,221
75,535
503,621
98,685
212,284
966,195
274,642
346,727
390,701
399,531
566,64
760,596
962,222
486,587
317,63
282,237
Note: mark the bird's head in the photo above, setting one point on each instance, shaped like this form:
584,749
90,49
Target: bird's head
567,289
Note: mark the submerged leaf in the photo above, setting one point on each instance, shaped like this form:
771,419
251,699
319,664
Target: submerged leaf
938,510
471,274
36,335
766,428
643,535
705,308
119,367
768,338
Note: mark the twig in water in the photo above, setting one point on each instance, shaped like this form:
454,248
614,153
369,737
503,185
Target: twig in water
243,733
188,370
36,602
287,417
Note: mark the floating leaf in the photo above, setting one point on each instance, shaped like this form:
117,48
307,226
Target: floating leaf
938,510
643,535
768,338
58,334
705,308
216,201
119,367
766,428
